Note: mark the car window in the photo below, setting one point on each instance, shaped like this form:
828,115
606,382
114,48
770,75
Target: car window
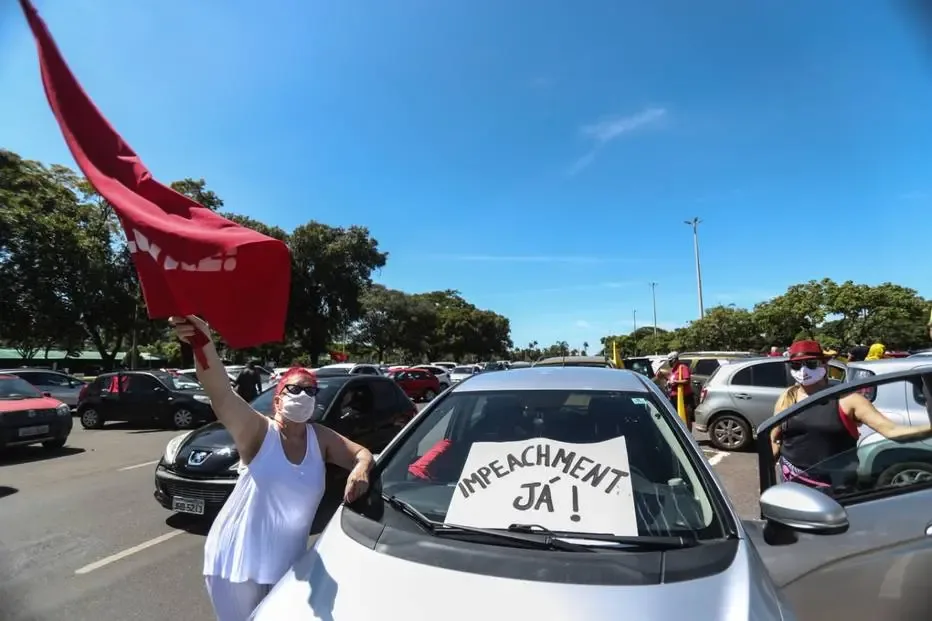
865,469
12,388
707,366
463,370
670,497
856,374
139,384
770,375
918,395
386,395
742,378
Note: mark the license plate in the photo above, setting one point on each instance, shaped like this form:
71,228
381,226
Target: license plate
33,431
188,505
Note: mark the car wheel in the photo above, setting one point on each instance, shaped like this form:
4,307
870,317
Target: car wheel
429,395
54,445
182,418
729,432
91,419
905,474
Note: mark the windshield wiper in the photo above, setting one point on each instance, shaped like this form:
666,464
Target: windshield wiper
542,541
644,543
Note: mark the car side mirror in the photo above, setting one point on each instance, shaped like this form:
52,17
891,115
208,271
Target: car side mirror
46,394
803,509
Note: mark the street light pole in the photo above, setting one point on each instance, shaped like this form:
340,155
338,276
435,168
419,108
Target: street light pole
634,334
695,224
653,297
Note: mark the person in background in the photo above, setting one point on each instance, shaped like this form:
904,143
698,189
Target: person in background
857,354
679,375
248,383
876,352
802,444
775,352
263,527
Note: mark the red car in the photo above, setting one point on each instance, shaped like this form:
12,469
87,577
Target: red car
417,383
28,416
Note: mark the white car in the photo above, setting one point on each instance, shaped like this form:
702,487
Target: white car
348,368
556,494
458,374
440,373
445,364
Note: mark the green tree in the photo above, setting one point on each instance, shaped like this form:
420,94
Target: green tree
196,190
797,313
331,268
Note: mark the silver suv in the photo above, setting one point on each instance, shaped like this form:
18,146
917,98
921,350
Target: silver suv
740,395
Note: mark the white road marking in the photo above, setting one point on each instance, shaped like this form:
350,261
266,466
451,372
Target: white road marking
718,456
148,463
113,558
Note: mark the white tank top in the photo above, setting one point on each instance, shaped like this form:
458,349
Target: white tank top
264,525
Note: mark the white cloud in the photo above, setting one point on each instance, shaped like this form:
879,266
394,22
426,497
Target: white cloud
608,129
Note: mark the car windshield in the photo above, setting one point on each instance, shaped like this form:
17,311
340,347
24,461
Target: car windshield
16,388
462,370
328,388
609,462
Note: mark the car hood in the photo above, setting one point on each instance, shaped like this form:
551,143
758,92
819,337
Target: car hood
35,403
342,580
210,436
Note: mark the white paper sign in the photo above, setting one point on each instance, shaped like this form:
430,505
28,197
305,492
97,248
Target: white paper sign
560,486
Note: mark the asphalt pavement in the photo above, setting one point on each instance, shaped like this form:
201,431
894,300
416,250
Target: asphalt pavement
82,538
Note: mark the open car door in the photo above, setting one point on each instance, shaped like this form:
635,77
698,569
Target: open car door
860,549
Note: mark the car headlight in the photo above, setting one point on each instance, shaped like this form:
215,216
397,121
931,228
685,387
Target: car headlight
202,398
171,449
63,410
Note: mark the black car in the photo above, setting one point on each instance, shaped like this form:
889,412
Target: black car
200,468
144,396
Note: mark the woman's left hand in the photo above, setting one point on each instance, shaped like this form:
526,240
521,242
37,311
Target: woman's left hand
357,483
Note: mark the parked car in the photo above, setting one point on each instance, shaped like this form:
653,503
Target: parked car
199,468
61,386
575,361
418,384
441,373
504,515
143,396
348,368
882,463
460,373
740,395
848,552
449,366
28,416
702,364
639,365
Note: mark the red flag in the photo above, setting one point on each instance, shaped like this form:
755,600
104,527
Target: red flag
190,260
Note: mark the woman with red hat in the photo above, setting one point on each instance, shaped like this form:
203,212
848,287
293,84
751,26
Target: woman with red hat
804,443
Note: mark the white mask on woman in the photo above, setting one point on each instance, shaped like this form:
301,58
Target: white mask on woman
297,408
804,376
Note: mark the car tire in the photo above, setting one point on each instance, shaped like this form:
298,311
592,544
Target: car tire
54,445
91,419
729,432
429,395
183,418
905,474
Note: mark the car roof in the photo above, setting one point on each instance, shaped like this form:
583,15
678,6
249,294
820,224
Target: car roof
555,378
31,370
890,365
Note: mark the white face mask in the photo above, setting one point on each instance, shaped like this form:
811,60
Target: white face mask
806,376
297,408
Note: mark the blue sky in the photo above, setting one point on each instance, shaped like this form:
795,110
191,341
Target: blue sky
539,156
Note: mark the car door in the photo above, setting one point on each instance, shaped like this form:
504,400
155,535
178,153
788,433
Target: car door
756,388
142,398
879,567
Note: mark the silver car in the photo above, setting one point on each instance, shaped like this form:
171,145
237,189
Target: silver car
740,395
60,386
562,493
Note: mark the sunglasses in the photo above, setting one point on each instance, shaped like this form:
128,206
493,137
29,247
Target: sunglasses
809,364
296,389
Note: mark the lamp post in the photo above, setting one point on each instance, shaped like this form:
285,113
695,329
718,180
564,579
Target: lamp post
694,223
634,334
653,297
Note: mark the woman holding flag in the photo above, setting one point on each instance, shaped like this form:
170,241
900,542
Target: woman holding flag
263,527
